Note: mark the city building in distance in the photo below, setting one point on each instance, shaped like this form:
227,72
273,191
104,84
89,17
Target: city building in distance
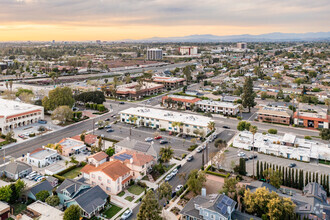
154,54
185,50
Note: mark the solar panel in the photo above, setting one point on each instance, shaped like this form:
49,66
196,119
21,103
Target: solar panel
220,206
228,201
224,210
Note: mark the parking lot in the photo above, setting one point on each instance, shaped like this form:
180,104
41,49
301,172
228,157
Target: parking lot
232,155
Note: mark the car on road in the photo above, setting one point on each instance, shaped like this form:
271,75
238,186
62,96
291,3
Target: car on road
174,172
291,165
126,214
110,130
21,136
169,177
42,121
251,157
107,126
163,142
158,137
148,139
226,127
121,103
178,188
246,158
107,119
241,154
190,158
199,149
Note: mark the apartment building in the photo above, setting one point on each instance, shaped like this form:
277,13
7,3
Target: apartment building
154,54
15,114
169,82
311,119
112,176
159,119
179,101
137,91
226,108
274,115
188,50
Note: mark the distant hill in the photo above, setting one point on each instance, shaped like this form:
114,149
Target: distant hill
272,37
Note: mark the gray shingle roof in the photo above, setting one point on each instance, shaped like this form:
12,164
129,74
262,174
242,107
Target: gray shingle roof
69,185
15,167
44,185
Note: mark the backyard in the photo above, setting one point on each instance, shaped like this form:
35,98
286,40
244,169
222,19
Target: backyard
112,211
135,189
72,173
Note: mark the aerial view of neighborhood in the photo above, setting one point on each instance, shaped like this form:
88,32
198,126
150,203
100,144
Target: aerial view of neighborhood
100,119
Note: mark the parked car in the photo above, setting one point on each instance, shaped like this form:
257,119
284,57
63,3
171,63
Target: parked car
126,214
241,154
75,109
174,172
42,121
107,119
163,142
148,139
121,103
251,157
291,165
199,149
190,158
226,127
158,137
178,188
168,177
108,126
246,158
21,136
110,130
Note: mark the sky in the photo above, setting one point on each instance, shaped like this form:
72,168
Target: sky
81,20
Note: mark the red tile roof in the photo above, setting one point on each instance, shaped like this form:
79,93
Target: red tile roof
99,156
89,138
113,169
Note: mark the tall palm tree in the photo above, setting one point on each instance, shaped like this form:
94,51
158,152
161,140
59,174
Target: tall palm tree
166,154
253,130
211,125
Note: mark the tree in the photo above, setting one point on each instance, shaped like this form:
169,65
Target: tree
166,154
241,168
196,180
110,151
20,186
253,130
72,213
9,136
14,195
58,97
258,170
243,125
263,95
325,134
229,186
62,114
165,191
91,96
274,177
149,209
5,193
248,94
53,200
211,125
219,143
42,195
83,136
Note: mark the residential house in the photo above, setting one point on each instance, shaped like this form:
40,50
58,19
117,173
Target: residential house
138,146
112,176
72,146
42,157
139,163
15,170
4,211
91,199
42,211
97,158
211,207
44,185
90,139
179,101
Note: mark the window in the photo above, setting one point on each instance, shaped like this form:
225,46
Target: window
93,176
100,178
108,181
108,189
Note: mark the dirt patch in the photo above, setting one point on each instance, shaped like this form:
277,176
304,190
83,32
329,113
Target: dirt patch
213,184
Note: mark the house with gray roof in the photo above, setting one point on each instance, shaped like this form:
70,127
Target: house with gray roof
135,145
15,170
210,207
90,199
44,185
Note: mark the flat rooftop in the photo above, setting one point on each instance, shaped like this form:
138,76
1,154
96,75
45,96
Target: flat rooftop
10,107
217,103
190,119
182,97
43,154
46,211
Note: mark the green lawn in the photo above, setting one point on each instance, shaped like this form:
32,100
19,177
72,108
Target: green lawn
129,198
121,193
135,189
112,211
72,173
18,208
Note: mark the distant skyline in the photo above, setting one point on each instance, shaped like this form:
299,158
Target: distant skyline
80,20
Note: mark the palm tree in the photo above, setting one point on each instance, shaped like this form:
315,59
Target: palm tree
253,130
240,107
166,154
66,163
133,119
211,125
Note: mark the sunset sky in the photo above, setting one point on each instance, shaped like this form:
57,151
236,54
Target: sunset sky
78,20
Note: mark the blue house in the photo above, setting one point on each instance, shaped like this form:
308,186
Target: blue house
44,185
90,199
209,207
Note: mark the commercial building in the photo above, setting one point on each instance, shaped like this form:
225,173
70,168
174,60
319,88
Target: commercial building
311,119
288,146
154,54
226,108
186,50
169,82
15,114
162,119
112,176
70,146
136,91
242,45
274,115
178,101
42,157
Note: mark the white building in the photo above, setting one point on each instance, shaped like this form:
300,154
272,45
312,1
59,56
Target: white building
226,108
154,54
242,45
15,114
42,157
288,146
159,119
186,50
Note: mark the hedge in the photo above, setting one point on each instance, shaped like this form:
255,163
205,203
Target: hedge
192,147
109,139
60,178
67,170
218,174
208,167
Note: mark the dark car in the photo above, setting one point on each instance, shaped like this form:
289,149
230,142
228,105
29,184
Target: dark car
107,119
291,165
190,158
246,158
42,122
121,103
225,126
163,142
110,130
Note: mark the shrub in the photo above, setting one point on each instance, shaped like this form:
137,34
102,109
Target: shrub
272,131
218,174
87,105
142,184
239,117
100,108
162,129
78,115
308,138
32,135
183,156
192,147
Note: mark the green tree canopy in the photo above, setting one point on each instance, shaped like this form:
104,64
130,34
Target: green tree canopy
92,96
248,94
53,200
42,195
196,180
58,97
72,213
149,209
